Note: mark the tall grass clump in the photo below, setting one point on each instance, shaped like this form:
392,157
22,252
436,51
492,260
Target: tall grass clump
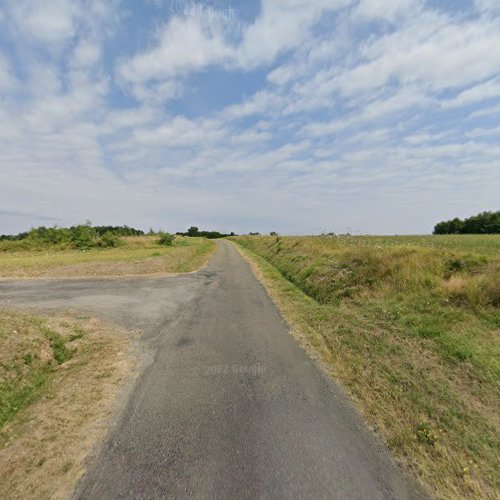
31,352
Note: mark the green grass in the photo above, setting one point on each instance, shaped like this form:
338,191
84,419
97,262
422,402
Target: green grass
137,255
31,352
410,326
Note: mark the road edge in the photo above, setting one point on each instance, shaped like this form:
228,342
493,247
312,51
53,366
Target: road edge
313,344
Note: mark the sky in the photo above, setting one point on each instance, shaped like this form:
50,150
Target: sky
296,116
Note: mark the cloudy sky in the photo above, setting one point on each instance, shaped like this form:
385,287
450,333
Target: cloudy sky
300,116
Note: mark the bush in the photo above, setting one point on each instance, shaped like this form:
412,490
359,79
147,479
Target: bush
83,236
48,235
108,240
166,239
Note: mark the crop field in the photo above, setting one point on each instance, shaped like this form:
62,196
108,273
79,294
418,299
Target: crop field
135,255
410,326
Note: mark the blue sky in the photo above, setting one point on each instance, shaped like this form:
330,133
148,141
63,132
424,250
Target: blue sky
300,116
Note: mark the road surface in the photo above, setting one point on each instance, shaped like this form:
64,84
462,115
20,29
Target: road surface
229,406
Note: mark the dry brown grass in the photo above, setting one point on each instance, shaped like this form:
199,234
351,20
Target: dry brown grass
43,446
137,256
417,348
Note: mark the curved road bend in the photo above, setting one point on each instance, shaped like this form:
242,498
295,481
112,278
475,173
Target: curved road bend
230,406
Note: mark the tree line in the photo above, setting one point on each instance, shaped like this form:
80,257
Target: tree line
80,236
483,223
193,231
57,233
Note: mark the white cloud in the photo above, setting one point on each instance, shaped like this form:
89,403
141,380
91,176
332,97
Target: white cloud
488,5
260,103
425,137
184,44
481,92
491,110
281,75
400,101
52,21
282,25
386,9
180,131
87,53
432,52
7,79
373,112
484,132
194,41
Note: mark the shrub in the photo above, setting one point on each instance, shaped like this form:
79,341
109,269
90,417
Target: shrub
48,235
108,240
83,236
166,239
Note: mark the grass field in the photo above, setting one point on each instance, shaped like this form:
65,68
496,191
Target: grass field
59,380
478,244
411,327
137,255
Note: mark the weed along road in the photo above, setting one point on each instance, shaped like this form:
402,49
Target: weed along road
228,406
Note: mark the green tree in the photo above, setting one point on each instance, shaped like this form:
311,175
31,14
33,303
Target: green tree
483,223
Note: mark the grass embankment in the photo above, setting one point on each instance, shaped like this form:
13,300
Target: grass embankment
410,326
59,377
137,255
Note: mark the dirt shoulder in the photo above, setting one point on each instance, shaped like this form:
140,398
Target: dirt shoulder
63,377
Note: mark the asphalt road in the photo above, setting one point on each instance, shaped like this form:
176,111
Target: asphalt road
229,406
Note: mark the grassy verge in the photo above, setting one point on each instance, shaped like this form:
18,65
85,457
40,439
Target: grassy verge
412,332
136,256
59,377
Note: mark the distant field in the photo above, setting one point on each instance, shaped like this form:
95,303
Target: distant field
488,244
138,255
411,327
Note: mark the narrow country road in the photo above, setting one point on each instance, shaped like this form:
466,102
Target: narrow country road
228,406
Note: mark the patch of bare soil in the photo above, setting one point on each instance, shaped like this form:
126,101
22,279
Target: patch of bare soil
155,265
45,446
